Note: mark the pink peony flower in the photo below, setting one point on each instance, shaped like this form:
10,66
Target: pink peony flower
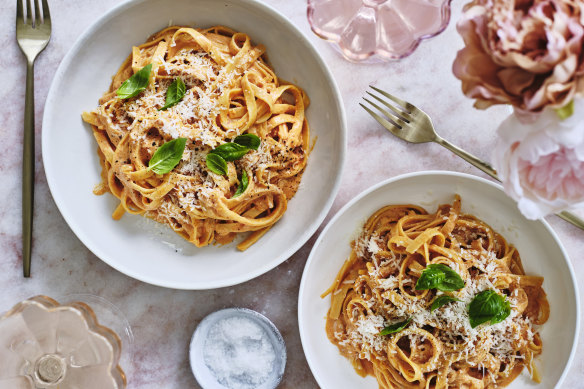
528,53
541,163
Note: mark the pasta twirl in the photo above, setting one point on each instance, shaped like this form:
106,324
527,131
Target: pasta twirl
230,90
437,349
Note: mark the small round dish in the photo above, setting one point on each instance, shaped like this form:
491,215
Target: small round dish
139,247
539,246
237,348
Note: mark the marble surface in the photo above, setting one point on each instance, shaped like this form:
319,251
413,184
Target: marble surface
163,319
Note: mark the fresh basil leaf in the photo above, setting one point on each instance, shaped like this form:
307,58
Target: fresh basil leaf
250,141
430,278
452,281
230,151
243,183
174,93
441,277
216,164
503,313
395,327
135,84
167,156
441,301
488,306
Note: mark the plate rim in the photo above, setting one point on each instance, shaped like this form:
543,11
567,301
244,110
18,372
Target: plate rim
391,180
60,202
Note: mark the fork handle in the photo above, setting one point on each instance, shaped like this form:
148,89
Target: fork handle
476,162
488,169
28,170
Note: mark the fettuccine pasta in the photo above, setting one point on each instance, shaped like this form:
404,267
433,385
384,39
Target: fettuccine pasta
230,90
376,288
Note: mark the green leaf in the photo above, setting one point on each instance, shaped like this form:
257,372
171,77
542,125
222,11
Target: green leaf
452,281
430,278
503,313
441,277
250,141
243,183
135,84
174,93
167,156
488,306
230,151
441,301
216,164
396,327
566,111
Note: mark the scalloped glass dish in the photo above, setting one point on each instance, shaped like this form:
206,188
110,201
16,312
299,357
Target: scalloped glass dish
44,344
377,29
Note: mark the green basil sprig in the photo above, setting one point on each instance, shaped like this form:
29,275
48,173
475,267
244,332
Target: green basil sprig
135,84
442,300
218,157
167,156
230,151
488,306
250,141
243,183
395,327
216,164
174,94
441,277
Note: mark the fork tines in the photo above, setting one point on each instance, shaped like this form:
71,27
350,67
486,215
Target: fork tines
396,115
26,15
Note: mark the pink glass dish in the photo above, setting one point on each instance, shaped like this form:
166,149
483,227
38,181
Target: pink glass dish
44,344
377,29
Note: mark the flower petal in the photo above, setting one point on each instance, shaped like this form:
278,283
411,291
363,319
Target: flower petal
531,53
541,164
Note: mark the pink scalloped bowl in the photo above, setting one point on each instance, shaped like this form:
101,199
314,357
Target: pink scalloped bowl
377,29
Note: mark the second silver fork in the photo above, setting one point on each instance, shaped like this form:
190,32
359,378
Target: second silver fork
33,34
413,125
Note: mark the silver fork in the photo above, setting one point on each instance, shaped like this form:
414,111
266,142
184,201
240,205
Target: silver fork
32,33
413,125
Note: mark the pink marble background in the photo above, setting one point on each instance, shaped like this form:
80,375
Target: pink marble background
163,319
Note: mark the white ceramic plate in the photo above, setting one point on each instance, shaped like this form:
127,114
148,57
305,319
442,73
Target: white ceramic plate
540,249
141,248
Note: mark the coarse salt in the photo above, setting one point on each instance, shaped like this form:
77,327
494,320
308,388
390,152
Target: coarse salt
239,353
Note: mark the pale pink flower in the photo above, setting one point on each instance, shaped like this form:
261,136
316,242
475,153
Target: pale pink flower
541,163
528,53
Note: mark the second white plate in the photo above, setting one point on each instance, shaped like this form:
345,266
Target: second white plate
540,249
